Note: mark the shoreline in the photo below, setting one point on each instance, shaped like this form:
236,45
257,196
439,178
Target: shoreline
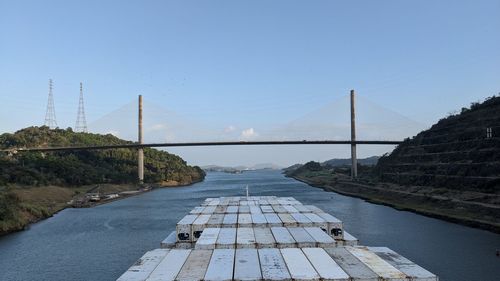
95,204
484,225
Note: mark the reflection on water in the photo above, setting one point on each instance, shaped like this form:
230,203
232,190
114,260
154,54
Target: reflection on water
101,243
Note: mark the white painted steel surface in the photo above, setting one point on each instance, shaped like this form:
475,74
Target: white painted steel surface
144,266
302,237
273,219
349,240
352,265
215,220
290,209
184,228
198,225
230,220
412,270
232,210
207,239
169,242
377,264
298,264
323,240
267,209
283,238
245,238
287,219
326,267
264,237
244,220
170,266
279,209
243,209
314,209
317,221
273,265
259,220
226,239
197,210
301,219
335,226
220,267
209,210
195,267
246,265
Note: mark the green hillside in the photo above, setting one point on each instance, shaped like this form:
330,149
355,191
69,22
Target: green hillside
455,153
35,185
75,168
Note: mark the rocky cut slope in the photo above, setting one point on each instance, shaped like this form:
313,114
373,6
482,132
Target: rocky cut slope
460,152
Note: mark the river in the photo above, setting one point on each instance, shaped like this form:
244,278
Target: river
100,243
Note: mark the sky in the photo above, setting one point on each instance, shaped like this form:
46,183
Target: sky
242,65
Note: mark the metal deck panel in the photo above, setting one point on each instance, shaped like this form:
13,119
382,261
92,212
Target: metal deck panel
298,264
230,220
195,267
323,239
245,238
377,264
283,238
352,265
326,267
302,237
403,264
226,239
207,239
246,265
273,266
264,237
144,266
220,267
170,266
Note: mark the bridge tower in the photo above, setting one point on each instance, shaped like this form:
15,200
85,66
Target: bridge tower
50,113
81,122
140,151
354,160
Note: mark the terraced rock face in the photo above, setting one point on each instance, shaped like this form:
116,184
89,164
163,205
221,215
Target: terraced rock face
456,153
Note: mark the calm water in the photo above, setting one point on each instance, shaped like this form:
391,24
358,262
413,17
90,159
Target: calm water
101,243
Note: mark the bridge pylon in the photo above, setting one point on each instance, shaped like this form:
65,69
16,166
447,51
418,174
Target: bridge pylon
354,160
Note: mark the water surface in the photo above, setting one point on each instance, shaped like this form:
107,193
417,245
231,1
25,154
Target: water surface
100,243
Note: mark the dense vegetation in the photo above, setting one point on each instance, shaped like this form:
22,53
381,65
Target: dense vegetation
84,167
455,153
34,185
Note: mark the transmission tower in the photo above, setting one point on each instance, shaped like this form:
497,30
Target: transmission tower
50,114
81,122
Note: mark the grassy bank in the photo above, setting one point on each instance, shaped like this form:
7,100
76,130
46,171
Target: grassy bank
472,209
22,205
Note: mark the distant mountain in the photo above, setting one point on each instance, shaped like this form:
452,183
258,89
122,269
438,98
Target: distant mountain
217,168
370,161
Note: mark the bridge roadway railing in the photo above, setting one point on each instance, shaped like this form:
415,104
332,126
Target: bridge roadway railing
185,144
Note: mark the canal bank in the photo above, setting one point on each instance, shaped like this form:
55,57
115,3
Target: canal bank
473,214
101,243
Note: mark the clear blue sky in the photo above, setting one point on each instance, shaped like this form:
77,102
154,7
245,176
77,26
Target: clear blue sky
245,61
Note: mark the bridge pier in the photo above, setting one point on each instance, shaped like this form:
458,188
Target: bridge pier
140,151
354,160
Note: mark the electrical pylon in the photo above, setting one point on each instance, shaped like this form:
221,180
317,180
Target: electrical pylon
81,122
50,114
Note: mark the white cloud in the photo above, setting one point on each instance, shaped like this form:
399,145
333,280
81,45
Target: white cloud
157,127
229,129
248,134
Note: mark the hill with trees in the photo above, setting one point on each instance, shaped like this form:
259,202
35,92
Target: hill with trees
34,185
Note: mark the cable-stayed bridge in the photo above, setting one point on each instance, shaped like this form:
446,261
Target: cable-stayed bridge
335,124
